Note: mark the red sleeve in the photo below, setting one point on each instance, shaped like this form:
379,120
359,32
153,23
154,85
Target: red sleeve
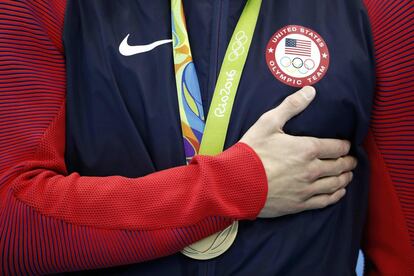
389,235
52,221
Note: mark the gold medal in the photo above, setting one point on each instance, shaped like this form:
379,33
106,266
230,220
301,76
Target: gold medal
214,245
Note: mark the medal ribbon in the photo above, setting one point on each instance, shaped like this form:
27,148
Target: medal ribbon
202,137
188,88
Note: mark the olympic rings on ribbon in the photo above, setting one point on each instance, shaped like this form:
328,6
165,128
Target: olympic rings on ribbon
237,48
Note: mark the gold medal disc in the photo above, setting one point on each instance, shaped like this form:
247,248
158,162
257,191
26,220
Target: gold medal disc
214,245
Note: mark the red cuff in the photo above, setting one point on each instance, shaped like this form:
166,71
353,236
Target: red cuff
241,181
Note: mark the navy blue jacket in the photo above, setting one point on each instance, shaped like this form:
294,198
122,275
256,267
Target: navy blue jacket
132,100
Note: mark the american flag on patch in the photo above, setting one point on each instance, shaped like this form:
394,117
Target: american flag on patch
298,47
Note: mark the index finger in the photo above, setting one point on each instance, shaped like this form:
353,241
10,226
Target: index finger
331,148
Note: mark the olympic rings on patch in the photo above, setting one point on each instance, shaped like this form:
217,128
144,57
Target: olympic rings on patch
285,61
309,64
296,65
297,62
303,70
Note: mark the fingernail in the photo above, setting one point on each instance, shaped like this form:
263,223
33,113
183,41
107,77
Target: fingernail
308,92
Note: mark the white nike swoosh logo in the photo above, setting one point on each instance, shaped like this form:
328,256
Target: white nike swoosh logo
127,50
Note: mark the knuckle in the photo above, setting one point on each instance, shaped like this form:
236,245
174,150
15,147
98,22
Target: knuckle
330,200
323,202
340,182
341,165
336,183
266,121
301,206
343,180
316,173
337,196
312,174
294,101
312,149
265,118
306,192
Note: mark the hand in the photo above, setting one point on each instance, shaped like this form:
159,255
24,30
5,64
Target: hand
303,173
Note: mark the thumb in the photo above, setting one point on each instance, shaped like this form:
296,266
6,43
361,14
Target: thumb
292,106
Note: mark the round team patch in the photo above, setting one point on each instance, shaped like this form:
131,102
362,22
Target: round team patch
297,56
